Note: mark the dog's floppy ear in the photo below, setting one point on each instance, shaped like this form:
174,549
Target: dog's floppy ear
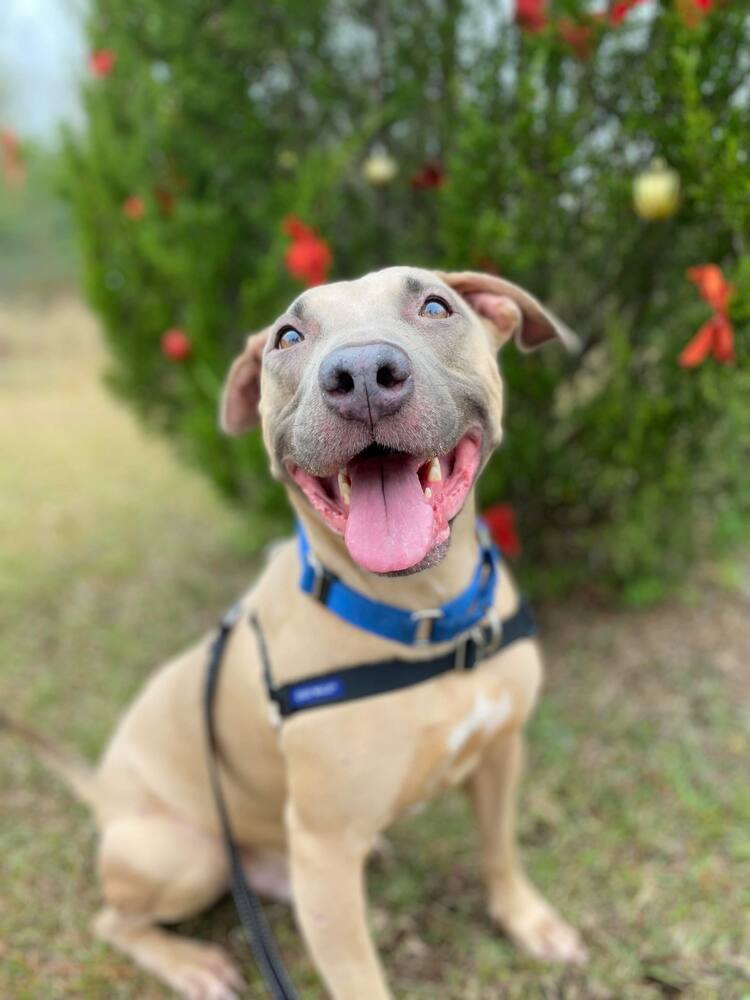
510,310
239,402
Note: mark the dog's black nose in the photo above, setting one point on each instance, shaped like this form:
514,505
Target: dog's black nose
367,381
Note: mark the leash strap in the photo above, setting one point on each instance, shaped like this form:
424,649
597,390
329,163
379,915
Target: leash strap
411,628
257,931
368,679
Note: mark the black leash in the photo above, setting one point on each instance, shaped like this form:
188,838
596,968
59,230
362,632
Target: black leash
249,908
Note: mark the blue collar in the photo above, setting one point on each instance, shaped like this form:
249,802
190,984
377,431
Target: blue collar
412,628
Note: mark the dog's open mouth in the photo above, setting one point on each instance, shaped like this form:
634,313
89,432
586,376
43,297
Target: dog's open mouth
393,508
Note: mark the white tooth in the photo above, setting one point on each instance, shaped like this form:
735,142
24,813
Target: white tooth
428,492
345,487
434,473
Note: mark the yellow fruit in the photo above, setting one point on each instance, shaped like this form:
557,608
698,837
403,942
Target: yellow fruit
656,192
379,169
287,159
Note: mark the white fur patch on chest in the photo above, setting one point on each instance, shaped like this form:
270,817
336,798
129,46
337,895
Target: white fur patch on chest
487,715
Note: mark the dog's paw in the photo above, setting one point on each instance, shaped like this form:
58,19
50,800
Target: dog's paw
205,972
537,929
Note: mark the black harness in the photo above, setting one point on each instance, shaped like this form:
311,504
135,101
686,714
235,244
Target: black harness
485,636
366,680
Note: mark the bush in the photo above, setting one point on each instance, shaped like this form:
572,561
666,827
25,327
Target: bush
516,147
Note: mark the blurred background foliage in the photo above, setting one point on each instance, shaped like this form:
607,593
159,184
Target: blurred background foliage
509,146
37,245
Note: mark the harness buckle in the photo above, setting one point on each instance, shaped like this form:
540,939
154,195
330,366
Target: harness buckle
495,624
459,660
425,621
476,644
473,640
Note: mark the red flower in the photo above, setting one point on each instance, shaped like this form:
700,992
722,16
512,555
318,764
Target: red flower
308,256
531,15
712,285
501,520
10,144
693,11
579,37
175,345
431,175
11,157
620,10
134,207
102,62
716,336
296,228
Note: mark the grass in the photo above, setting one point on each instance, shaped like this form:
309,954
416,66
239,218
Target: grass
635,809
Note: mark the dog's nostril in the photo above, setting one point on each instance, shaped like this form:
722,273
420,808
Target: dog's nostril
344,381
386,377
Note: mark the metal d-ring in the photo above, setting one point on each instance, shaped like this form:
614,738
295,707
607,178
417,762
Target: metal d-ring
425,624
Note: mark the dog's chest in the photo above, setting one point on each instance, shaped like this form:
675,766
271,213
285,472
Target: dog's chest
448,746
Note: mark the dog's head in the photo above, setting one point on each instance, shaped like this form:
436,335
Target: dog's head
381,401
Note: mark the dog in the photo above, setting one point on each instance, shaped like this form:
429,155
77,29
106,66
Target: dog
380,401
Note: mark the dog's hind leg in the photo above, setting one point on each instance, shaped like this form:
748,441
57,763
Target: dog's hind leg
514,903
155,869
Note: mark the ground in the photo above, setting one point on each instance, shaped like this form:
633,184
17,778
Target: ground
635,809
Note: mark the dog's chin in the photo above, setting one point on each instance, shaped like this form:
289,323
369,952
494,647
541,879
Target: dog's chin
394,509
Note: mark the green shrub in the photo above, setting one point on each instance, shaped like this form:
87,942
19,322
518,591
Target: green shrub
224,119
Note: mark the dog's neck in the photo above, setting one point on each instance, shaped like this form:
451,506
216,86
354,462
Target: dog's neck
427,589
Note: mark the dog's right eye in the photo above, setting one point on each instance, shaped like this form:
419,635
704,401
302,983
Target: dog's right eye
435,308
288,337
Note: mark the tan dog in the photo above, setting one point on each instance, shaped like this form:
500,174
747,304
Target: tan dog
364,385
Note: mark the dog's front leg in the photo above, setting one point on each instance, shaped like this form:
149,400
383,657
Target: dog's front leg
513,901
329,897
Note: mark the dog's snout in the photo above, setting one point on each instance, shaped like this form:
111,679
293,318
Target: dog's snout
366,381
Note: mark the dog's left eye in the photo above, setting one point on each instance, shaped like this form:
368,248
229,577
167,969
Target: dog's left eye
288,337
435,308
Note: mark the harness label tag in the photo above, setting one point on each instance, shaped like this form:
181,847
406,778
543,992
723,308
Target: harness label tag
316,691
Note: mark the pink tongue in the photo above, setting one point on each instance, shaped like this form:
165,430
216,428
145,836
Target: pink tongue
390,524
